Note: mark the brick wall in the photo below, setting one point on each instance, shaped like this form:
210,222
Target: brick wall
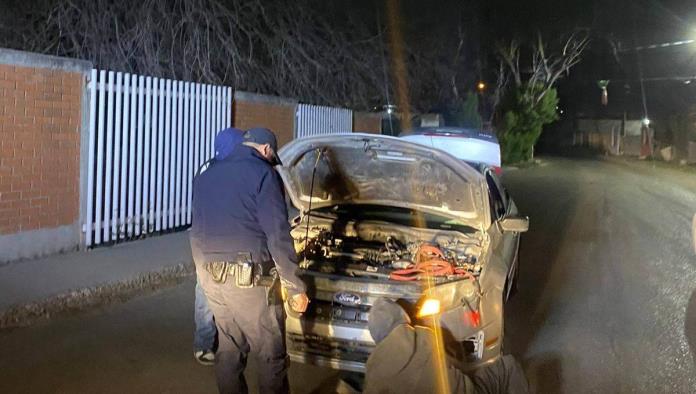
255,110
41,117
366,122
40,153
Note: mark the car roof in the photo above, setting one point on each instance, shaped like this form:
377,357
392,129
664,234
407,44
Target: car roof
467,132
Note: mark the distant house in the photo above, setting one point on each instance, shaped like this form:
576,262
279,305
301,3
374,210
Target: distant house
614,136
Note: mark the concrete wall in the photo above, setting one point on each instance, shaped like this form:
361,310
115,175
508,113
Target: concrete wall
367,122
258,110
632,145
41,118
692,153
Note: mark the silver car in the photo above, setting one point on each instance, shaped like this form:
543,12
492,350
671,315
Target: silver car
378,216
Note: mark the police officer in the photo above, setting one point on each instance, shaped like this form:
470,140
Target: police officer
240,239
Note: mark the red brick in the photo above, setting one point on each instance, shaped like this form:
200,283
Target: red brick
10,196
8,84
52,112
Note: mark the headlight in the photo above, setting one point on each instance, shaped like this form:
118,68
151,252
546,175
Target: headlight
442,299
429,307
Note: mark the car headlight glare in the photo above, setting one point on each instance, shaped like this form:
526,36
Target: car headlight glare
429,307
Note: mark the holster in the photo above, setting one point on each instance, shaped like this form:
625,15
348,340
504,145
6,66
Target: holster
272,284
246,274
244,271
219,270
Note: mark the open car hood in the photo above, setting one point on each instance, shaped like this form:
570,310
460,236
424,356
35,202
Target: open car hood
380,170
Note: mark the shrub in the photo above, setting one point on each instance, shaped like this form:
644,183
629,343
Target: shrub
525,111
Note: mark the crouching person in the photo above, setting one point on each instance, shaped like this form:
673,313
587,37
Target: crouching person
404,360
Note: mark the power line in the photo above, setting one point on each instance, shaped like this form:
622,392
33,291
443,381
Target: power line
658,46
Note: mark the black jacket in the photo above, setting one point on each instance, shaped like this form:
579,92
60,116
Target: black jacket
239,206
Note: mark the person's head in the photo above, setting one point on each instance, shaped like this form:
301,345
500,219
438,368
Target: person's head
226,141
264,141
385,316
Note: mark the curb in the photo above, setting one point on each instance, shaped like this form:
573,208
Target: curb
72,301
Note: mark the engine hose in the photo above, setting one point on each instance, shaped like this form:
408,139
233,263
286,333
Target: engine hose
434,267
430,262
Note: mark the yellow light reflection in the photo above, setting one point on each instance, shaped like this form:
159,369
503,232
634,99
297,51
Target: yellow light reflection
430,307
400,75
399,72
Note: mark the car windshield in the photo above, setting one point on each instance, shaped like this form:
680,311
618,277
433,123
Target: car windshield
395,215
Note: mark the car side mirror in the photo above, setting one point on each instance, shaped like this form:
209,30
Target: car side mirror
514,224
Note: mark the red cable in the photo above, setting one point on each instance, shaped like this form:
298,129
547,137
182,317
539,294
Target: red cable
430,261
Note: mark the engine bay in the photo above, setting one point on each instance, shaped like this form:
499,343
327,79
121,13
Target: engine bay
388,255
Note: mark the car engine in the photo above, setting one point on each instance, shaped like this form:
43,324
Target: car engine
389,258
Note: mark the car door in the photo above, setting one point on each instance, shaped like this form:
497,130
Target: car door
505,243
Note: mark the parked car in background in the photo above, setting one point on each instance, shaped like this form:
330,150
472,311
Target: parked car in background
381,216
473,146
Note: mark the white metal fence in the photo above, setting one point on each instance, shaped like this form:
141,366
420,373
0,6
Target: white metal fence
318,120
147,137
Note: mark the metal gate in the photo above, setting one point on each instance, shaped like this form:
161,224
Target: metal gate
147,137
318,120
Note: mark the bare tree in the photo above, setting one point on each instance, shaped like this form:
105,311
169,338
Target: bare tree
288,48
547,65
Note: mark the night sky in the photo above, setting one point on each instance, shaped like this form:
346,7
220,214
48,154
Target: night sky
615,27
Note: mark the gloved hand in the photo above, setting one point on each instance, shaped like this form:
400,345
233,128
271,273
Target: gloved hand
299,302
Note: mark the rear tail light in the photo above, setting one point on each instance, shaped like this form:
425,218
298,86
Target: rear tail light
473,318
498,170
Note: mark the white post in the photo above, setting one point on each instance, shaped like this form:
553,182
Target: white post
168,158
156,170
186,154
89,219
200,132
139,158
109,158
99,200
124,155
117,157
209,122
148,153
163,176
176,210
195,143
218,114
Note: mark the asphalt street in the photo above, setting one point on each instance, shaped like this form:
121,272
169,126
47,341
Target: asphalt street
606,300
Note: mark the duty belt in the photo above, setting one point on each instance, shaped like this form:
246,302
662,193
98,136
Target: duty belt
245,272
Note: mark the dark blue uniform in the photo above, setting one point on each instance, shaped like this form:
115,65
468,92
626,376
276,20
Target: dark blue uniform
239,206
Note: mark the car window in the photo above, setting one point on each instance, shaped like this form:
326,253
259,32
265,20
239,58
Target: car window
501,189
498,208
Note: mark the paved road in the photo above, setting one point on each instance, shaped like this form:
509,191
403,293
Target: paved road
141,346
607,300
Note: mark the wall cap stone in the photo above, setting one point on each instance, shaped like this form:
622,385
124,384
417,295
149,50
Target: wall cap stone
263,98
14,57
